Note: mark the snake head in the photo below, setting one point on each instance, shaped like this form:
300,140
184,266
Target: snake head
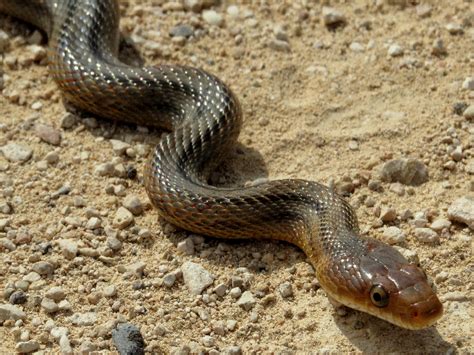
383,283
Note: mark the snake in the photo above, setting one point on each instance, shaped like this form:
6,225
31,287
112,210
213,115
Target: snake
202,118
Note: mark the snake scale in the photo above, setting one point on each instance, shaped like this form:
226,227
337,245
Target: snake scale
204,119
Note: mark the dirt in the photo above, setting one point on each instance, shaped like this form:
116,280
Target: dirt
331,106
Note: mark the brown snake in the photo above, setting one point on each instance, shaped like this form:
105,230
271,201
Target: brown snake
204,118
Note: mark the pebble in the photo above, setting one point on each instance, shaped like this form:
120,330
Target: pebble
356,47
83,319
114,243
438,48
462,210
195,277
456,154
133,204
405,171
48,134
123,218
441,277
220,289
169,279
16,152
4,41
424,10
56,293
332,17
68,248
186,246
235,292
49,305
212,17
454,28
468,113
43,268
18,297
469,168
468,83
119,147
393,235
285,289
440,224
388,214
68,120
247,301
8,311
185,31
128,339
27,346
279,45
426,235
109,291
395,50
135,268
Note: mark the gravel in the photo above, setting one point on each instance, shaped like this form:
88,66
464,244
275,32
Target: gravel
426,235
83,319
48,134
27,346
123,218
332,17
393,235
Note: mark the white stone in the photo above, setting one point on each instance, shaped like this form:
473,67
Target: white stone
8,311
395,50
16,152
247,301
332,16
468,83
123,218
212,17
462,210
426,235
195,277
393,235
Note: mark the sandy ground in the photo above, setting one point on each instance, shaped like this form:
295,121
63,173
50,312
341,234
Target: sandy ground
330,105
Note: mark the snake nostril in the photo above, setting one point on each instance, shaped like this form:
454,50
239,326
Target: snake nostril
414,314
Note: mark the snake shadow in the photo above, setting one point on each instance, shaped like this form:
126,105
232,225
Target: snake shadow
373,335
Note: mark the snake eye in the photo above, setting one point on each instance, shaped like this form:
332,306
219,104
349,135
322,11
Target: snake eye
379,296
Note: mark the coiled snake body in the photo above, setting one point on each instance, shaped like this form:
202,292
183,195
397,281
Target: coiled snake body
204,118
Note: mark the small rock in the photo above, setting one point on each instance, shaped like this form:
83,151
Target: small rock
123,218
395,50
169,279
27,346
68,248
56,293
8,311
195,277
462,210
136,268
393,235
424,10
49,305
43,268
469,168
454,28
459,107
235,292
83,319
119,147
388,214
285,289
468,83
133,204
109,291
186,246
93,223
440,224
128,339
356,47
468,113
181,31
208,341
68,120
48,134
405,171
456,154
220,290
18,297
426,235
438,48
212,17
16,152
278,45
332,17
247,301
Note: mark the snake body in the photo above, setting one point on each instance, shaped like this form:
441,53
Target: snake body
204,119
